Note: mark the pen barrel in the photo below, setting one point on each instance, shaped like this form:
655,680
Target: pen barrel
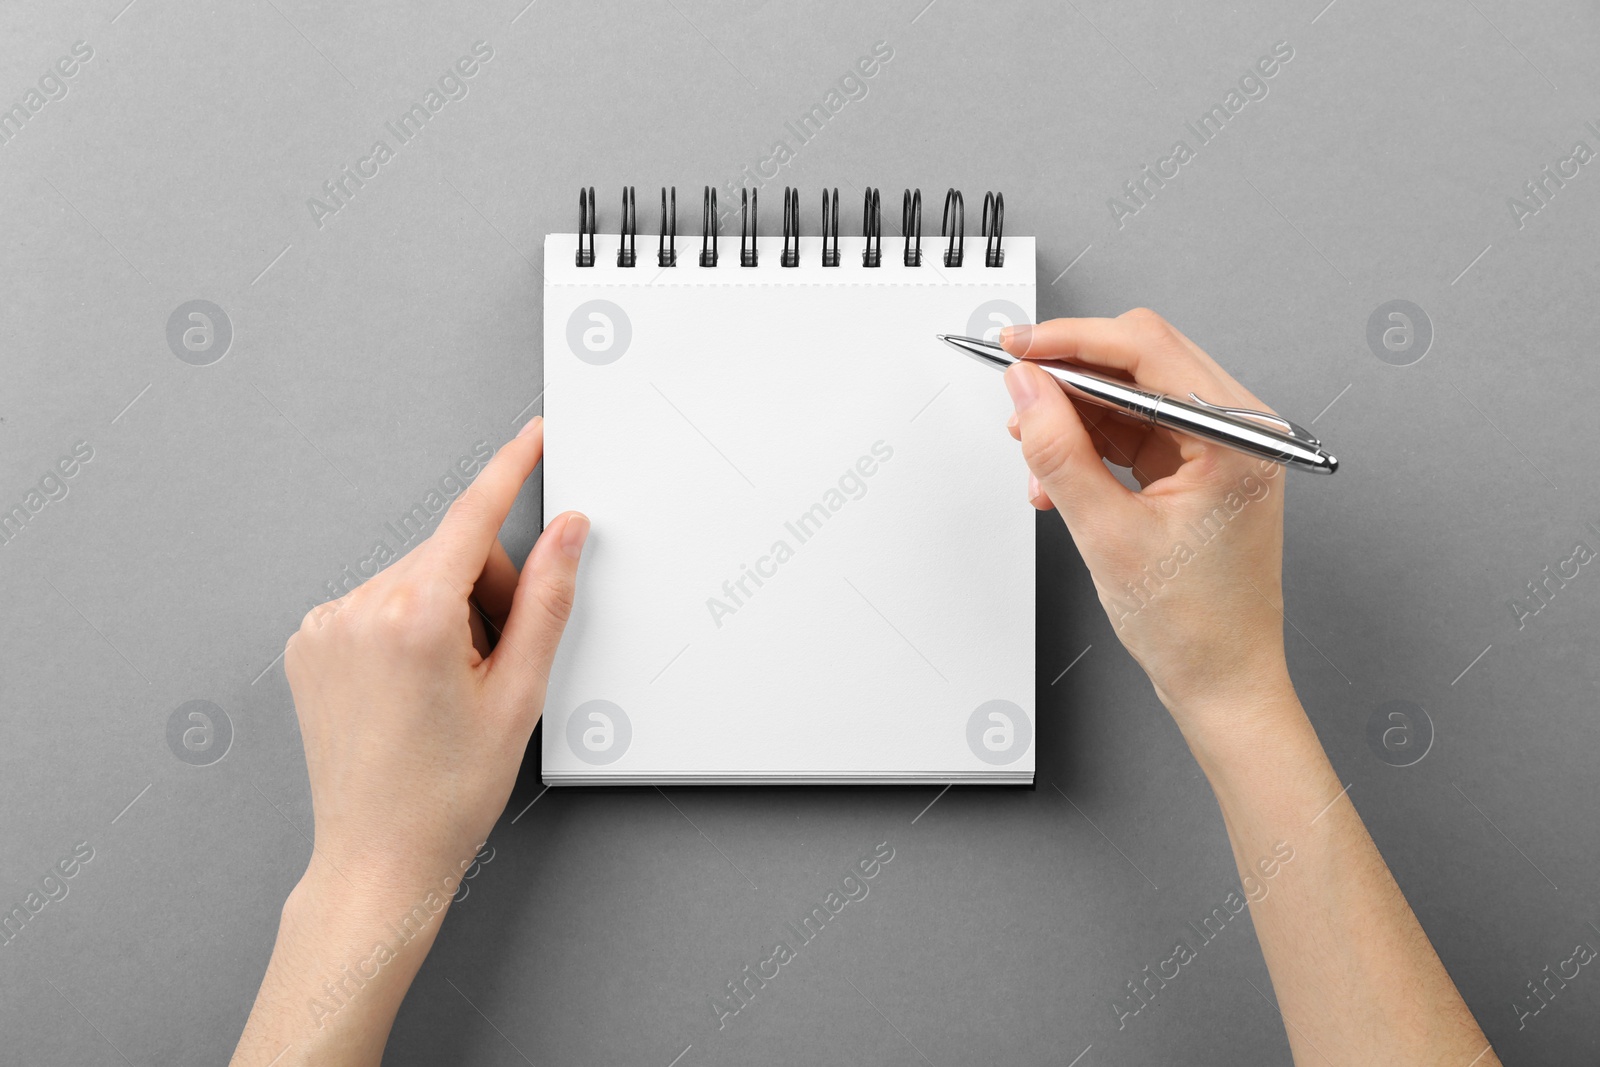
1107,392
1242,435
1230,431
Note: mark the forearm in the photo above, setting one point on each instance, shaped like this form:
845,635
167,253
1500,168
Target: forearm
1356,978
342,963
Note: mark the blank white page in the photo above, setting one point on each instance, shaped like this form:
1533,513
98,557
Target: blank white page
812,557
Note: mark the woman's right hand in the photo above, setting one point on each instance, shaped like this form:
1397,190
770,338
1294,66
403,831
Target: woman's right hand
1190,569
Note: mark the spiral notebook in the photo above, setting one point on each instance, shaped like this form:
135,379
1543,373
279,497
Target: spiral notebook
812,557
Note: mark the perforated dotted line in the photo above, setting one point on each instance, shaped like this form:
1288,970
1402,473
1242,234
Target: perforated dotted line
785,285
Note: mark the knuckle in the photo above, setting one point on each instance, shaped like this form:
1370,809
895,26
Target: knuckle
1143,316
407,617
317,618
1146,324
298,656
392,617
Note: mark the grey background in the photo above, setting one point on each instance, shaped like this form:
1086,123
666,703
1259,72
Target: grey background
369,354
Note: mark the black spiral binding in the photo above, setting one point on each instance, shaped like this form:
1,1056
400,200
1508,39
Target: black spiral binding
628,247
911,222
830,228
747,227
667,250
586,226
993,229
952,228
710,228
955,248
872,228
791,227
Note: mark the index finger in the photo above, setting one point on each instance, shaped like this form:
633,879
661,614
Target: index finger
1140,343
468,530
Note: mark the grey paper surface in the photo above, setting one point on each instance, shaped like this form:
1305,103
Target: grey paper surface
373,346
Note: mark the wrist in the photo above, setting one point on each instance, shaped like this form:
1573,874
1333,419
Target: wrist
347,953
382,876
333,902
1218,682
1240,721
1259,750
1206,668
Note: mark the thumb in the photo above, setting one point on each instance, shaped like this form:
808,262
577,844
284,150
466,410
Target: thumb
539,610
1063,458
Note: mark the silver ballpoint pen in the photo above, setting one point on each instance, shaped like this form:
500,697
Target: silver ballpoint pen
1255,433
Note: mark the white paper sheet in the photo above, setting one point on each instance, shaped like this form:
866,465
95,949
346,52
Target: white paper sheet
812,558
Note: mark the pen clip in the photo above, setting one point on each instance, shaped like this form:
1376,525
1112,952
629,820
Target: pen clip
1299,433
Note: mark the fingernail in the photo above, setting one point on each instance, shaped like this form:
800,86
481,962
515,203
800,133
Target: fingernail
528,428
574,534
1011,423
1034,489
1020,384
1016,337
